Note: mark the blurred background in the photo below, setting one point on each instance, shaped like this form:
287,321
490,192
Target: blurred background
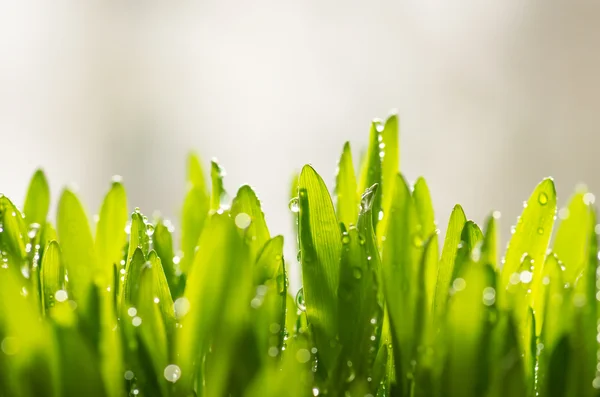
492,96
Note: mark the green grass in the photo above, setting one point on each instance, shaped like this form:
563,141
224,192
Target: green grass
384,310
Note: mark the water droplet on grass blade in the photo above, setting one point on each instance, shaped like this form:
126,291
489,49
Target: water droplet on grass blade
61,295
303,356
294,205
172,373
300,300
181,307
243,220
357,273
543,198
129,375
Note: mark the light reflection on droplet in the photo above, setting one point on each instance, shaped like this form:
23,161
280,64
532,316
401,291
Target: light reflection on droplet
172,373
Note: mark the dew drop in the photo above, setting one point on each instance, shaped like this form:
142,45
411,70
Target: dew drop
357,273
129,375
137,321
345,238
117,179
459,284
543,198
181,307
172,373
294,205
132,311
540,230
149,229
303,356
61,295
243,220
300,302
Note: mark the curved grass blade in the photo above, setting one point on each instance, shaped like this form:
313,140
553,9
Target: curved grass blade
37,201
531,236
77,245
346,189
446,266
320,246
110,231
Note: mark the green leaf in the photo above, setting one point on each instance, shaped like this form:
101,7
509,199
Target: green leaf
346,189
77,245
320,247
446,266
531,235
37,201
53,274
218,195
250,220
557,370
571,242
110,230
371,169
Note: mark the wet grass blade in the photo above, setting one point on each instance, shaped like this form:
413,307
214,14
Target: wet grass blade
248,216
346,189
424,206
37,201
110,231
77,245
531,236
218,194
446,265
400,260
52,276
320,247
371,172
208,285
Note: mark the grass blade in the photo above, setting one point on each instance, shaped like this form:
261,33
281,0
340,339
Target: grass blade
320,247
446,265
77,245
37,201
346,189
110,231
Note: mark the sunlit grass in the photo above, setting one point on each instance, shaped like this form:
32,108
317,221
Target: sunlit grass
385,308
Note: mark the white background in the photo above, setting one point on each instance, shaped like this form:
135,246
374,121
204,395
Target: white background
492,96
